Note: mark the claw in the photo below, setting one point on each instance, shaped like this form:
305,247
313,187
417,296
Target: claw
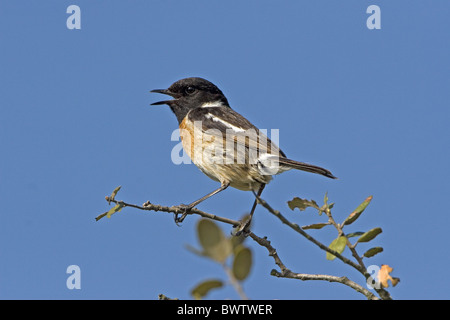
185,208
243,228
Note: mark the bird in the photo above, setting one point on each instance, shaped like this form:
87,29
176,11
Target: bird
223,144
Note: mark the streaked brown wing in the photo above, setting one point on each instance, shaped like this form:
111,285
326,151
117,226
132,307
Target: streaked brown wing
233,126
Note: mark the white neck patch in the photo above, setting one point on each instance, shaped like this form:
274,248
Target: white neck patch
212,104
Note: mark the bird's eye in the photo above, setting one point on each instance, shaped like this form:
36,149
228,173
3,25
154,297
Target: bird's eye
189,90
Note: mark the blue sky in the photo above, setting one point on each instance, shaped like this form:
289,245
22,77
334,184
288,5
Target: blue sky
75,122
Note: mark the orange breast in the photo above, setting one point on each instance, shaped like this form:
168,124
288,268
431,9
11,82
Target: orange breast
187,136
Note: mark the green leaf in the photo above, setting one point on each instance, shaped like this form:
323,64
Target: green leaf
315,226
204,287
372,251
214,243
242,263
115,209
114,193
337,245
354,234
302,204
194,250
369,235
357,212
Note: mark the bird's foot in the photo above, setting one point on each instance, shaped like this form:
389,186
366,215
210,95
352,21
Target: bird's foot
243,228
184,208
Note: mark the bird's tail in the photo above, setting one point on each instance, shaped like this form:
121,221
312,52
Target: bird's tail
305,167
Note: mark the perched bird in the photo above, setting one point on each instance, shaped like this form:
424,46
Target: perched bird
223,144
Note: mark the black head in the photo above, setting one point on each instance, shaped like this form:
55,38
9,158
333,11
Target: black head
191,93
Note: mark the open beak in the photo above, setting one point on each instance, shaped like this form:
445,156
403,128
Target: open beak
164,91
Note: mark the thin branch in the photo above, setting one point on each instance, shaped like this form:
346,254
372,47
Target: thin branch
173,209
341,233
297,228
360,267
383,293
286,273
344,280
234,282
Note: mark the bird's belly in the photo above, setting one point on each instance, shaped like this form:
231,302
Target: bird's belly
209,156
240,176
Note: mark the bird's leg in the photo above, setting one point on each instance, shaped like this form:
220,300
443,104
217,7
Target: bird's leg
249,220
187,207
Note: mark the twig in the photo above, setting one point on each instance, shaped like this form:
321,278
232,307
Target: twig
174,209
297,228
360,267
341,233
234,282
286,273
383,293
